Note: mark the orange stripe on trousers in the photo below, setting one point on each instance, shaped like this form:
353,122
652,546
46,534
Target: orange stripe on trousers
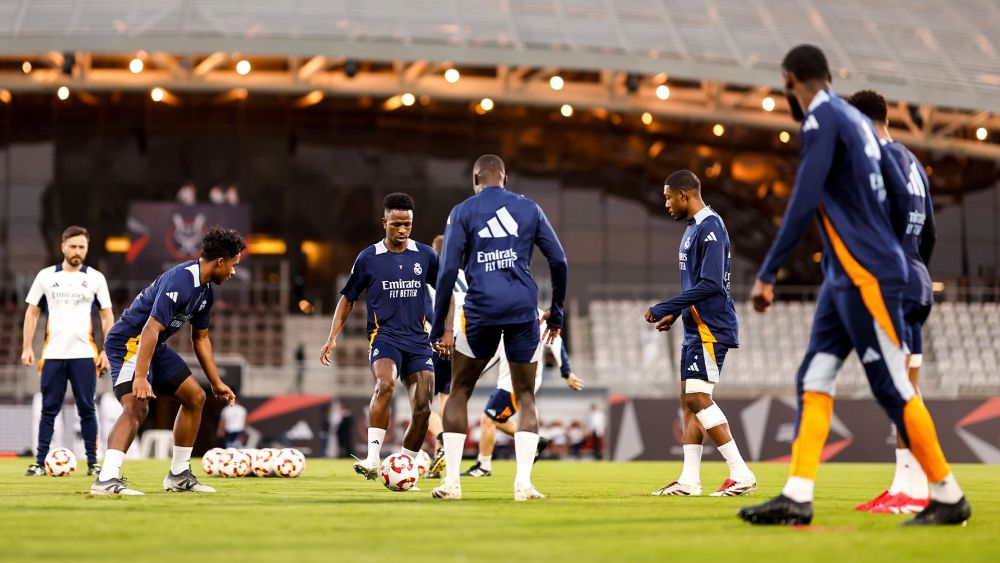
814,427
924,440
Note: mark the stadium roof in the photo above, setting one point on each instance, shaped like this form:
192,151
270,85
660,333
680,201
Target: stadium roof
929,53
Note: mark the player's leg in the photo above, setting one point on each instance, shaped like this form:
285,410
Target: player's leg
521,343
191,396
815,382
121,356
386,361
442,387
53,386
874,319
420,388
83,379
497,409
689,483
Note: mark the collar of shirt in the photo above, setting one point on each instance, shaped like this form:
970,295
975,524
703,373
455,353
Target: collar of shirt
820,98
701,215
195,270
381,248
491,188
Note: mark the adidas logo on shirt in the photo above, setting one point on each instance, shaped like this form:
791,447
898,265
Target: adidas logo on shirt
870,356
500,226
172,295
693,367
711,237
810,124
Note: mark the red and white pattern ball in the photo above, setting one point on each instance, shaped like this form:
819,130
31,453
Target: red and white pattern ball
399,472
289,462
211,460
423,463
234,463
60,462
263,462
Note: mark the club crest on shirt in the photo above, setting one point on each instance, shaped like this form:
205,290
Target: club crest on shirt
417,269
687,243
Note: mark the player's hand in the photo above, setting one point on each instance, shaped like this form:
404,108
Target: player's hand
326,353
446,346
649,316
102,361
223,393
762,295
550,333
574,382
664,324
142,389
28,357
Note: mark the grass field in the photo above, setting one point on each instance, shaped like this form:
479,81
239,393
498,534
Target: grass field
595,511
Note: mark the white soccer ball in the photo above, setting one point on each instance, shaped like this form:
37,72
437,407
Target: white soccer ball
423,463
211,460
399,472
60,462
263,462
289,462
234,463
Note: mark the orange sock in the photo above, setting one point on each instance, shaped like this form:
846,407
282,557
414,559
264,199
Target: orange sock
924,441
814,426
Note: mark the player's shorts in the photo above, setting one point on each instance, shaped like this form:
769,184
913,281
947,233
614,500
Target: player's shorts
914,317
702,361
167,371
501,405
520,341
407,363
442,375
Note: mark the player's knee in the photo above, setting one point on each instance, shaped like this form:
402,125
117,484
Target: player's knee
697,401
196,400
385,387
422,410
136,410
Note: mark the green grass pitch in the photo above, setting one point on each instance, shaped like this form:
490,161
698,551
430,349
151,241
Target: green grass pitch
595,512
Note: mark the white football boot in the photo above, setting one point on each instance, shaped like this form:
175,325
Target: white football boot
677,489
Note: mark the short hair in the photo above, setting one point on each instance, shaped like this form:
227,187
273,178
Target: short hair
75,231
398,200
490,164
222,243
872,104
807,62
438,242
683,180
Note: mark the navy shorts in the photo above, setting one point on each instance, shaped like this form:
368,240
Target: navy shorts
520,341
166,370
702,361
407,363
442,375
914,317
501,405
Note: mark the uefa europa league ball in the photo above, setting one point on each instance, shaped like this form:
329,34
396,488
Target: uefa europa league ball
60,462
263,462
289,462
234,463
423,463
211,460
399,472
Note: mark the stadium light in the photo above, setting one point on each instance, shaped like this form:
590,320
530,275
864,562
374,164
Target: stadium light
982,133
486,104
647,118
156,94
452,75
663,91
62,93
6,96
26,67
117,244
566,110
556,83
718,130
408,99
243,67
135,65
784,137
767,103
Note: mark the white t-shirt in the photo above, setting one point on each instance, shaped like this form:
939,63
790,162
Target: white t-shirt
69,297
234,418
458,295
504,381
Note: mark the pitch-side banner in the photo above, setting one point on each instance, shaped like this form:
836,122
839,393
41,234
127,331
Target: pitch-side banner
164,233
650,429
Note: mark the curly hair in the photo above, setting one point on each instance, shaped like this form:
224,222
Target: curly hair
222,243
398,200
870,103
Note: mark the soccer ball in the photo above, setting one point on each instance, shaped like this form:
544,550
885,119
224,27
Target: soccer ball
423,463
289,462
211,460
60,462
234,463
399,472
263,462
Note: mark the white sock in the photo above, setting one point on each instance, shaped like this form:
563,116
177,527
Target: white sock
485,462
454,445
525,446
375,438
900,476
946,490
411,453
799,489
182,460
916,479
691,474
112,465
738,470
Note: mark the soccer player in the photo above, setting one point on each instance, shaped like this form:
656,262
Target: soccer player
393,273
68,291
912,216
493,234
143,366
502,404
710,330
841,181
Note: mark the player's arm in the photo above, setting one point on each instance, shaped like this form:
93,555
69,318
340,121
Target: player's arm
928,236
548,243
31,315
203,350
148,340
452,252
897,191
710,283
818,147
107,320
558,348
340,315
